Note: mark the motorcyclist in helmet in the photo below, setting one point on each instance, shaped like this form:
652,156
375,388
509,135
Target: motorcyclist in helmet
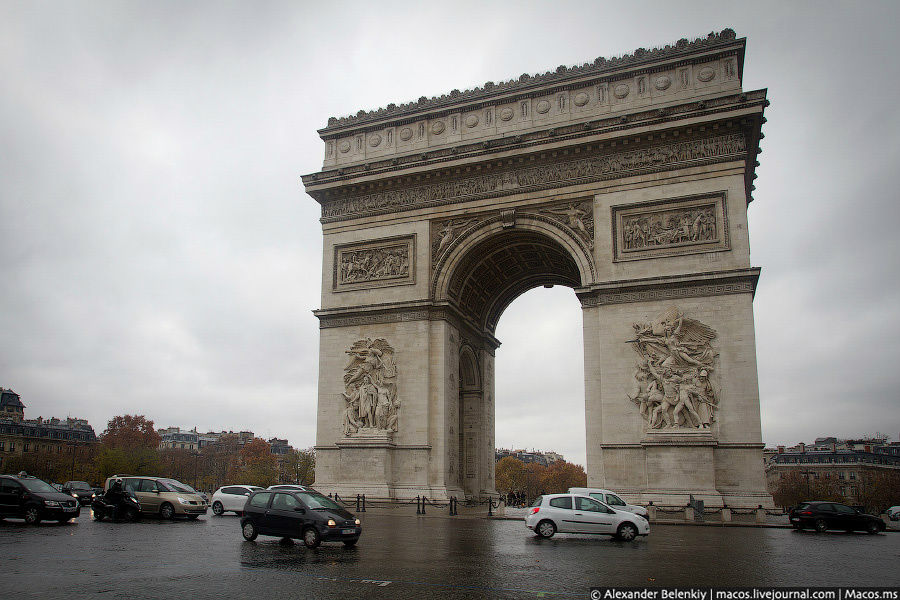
114,496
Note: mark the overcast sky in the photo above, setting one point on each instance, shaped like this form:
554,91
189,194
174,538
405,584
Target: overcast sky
158,254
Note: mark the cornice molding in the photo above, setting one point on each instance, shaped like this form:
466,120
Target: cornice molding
719,283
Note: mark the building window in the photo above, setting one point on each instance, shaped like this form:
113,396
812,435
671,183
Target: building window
12,446
841,475
25,447
852,475
2,446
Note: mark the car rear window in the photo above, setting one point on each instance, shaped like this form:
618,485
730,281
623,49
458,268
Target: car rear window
561,502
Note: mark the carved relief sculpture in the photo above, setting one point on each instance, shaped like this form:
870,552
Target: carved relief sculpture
579,217
370,397
672,386
373,264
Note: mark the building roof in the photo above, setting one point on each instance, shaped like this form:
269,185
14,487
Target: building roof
10,398
562,73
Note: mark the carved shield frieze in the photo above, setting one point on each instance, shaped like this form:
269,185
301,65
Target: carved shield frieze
376,263
670,227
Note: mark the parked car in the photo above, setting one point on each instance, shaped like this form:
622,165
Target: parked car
80,490
166,497
309,516
576,513
290,486
231,498
610,499
35,500
822,516
893,513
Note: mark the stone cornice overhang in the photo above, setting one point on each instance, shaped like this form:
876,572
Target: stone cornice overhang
693,285
718,46
395,312
599,136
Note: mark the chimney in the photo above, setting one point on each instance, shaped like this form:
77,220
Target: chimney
802,447
780,449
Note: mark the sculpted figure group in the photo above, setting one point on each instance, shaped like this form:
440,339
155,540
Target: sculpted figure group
370,381
374,263
672,380
670,228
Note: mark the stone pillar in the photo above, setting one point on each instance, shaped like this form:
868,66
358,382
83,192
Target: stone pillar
726,515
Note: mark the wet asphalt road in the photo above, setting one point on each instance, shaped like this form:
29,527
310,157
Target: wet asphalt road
402,556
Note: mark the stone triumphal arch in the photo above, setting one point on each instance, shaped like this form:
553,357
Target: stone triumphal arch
626,180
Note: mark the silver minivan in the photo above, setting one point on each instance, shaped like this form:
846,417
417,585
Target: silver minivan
610,498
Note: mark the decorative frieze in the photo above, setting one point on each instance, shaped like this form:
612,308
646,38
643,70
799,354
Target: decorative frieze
667,293
555,174
670,227
376,263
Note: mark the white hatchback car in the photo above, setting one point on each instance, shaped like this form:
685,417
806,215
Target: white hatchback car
610,498
231,498
575,513
893,513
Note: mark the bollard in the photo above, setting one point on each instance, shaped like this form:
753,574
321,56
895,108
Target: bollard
364,504
688,513
726,514
490,505
418,506
423,505
760,514
357,503
651,512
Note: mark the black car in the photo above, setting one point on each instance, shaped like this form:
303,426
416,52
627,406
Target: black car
35,500
79,490
309,516
822,516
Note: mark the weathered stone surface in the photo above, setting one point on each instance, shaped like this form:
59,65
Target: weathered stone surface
629,183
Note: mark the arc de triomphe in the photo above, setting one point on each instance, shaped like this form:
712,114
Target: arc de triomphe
627,180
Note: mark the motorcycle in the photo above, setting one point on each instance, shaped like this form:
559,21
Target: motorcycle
127,508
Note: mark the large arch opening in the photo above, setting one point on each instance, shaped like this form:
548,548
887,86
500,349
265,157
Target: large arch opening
486,277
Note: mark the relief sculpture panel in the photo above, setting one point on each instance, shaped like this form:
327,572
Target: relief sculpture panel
376,263
371,405
676,361
670,227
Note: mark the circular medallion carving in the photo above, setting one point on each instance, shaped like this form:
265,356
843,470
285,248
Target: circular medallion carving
344,147
621,90
581,99
663,83
437,128
706,74
542,107
374,140
506,114
471,121
405,134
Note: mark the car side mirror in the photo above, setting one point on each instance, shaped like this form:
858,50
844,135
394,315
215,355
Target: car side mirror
300,510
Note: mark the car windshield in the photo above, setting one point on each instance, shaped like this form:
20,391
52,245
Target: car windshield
176,486
36,485
317,501
79,485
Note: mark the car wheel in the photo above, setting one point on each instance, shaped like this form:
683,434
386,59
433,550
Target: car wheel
218,509
249,531
545,529
820,525
626,532
872,528
32,515
167,511
311,537
349,543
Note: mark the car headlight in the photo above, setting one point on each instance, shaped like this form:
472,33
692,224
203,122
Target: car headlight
52,503
73,494
331,523
182,500
358,522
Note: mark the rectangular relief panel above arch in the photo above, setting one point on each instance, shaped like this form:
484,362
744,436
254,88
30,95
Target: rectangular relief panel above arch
375,263
670,227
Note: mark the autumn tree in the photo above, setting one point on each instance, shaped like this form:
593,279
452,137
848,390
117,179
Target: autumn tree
877,490
509,475
562,475
258,464
795,487
299,467
220,462
129,432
